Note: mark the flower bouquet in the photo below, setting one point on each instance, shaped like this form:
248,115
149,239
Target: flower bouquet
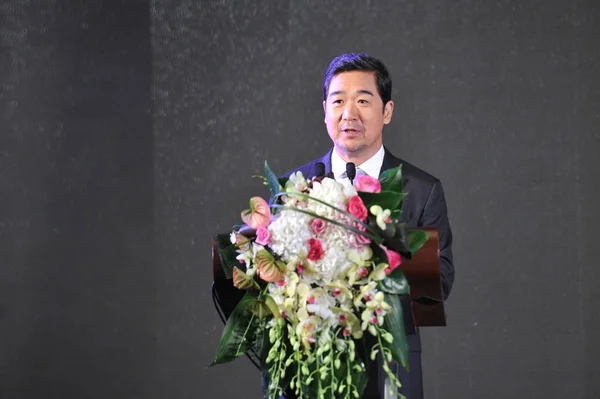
319,263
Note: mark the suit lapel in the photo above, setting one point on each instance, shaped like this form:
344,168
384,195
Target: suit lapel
389,161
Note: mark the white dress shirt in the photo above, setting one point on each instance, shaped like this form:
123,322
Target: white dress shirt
371,166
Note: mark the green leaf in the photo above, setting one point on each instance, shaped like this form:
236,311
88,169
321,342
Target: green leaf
379,255
391,179
395,283
386,199
227,254
241,330
283,181
399,242
263,351
394,324
273,308
272,181
416,239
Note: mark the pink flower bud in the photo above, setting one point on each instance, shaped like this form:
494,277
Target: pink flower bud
394,258
363,272
367,184
263,236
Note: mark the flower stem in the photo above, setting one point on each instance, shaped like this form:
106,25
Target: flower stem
386,366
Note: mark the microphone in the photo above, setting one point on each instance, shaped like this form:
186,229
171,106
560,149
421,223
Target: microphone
319,169
351,171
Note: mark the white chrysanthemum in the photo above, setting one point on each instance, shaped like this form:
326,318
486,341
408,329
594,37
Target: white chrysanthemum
290,234
335,262
331,192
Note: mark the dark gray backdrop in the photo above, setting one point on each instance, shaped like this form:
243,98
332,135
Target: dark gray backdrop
129,131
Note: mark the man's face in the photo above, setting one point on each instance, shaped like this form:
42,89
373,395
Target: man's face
355,115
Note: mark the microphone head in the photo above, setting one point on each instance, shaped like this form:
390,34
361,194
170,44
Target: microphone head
351,171
319,169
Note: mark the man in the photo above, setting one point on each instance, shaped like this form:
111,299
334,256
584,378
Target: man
357,102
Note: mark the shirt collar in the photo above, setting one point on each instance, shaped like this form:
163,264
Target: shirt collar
371,166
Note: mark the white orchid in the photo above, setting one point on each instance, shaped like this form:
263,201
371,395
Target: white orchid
382,215
296,183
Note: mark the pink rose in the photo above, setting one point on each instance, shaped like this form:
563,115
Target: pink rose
263,236
394,260
357,208
318,226
367,184
315,251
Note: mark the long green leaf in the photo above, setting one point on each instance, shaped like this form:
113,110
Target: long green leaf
394,324
386,199
272,181
416,240
395,283
227,253
399,242
241,330
391,180
379,255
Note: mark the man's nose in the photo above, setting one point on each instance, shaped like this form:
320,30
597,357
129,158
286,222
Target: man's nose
350,112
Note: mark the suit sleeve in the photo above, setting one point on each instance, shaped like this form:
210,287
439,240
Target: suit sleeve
435,214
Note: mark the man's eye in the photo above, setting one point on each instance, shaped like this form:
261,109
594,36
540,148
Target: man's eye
337,101
363,102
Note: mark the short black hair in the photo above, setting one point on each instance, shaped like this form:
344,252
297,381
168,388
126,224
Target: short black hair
360,62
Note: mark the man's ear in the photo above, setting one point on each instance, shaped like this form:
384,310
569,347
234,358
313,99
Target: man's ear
388,110
324,111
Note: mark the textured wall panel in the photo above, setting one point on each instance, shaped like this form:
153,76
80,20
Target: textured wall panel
76,200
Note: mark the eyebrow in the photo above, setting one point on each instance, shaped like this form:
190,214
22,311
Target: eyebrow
362,91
